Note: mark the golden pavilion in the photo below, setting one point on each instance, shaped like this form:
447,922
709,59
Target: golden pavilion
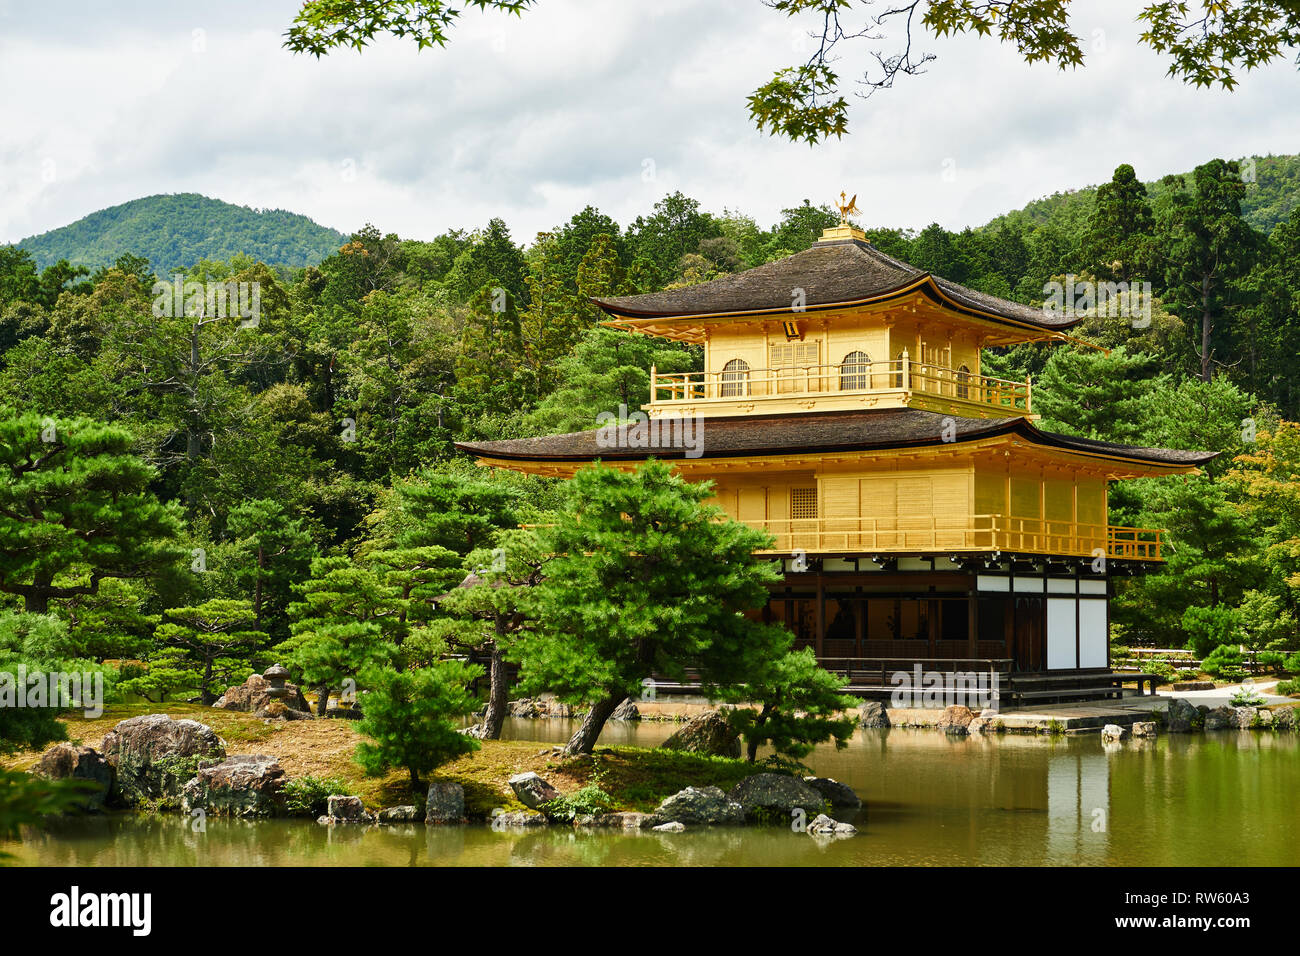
919,514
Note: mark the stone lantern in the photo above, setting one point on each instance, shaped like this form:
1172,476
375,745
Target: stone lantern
275,677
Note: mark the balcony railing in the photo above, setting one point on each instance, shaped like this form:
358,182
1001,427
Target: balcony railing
863,378
979,533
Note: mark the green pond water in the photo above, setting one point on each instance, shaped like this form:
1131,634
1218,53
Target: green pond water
1217,799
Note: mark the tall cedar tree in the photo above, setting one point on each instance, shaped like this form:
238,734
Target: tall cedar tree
1118,243
1207,248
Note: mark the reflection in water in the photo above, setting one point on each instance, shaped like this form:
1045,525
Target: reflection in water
929,800
1078,807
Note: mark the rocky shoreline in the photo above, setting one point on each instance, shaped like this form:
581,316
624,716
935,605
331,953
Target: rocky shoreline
155,763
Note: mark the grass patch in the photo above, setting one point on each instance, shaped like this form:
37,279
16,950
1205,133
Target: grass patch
641,779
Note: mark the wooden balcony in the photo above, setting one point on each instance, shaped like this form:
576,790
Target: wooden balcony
899,383
979,534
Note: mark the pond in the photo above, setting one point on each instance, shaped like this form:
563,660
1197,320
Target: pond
1193,800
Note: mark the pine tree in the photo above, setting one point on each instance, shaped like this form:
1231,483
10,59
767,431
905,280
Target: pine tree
411,718
218,641
494,603
490,368
793,705
646,579
76,508
1083,391
348,619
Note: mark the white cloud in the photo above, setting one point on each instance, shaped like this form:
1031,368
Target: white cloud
533,118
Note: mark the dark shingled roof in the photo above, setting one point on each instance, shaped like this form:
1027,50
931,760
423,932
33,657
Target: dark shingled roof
858,430
830,273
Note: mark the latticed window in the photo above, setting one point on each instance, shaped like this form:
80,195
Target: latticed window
735,378
853,370
796,366
803,503
963,382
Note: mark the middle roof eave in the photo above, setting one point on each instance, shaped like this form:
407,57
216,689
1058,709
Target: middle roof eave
806,433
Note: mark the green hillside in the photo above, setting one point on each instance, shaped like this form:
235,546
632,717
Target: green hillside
1268,200
176,231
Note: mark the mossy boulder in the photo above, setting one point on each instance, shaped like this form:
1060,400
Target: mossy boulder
154,756
700,805
1284,719
837,794
70,762
775,798
246,785
709,733
445,803
1181,717
873,716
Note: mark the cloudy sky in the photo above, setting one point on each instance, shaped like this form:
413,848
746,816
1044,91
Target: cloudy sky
607,102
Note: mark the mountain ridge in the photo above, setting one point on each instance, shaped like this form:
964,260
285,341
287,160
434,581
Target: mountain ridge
176,230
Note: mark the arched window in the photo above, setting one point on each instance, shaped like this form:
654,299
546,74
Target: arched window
735,378
963,381
853,371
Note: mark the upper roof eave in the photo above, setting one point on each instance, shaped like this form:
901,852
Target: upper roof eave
845,273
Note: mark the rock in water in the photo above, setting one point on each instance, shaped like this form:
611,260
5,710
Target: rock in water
1181,716
709,733
672,826
823,825
956,720
70,762
1284,719
1144,728
629,820
508,819
532,790
445,803
153,756
1243,718
626,711
771,796
246,785
345,809
837,794
523,707
1221,718
403,814
872,715
702,805
1113,732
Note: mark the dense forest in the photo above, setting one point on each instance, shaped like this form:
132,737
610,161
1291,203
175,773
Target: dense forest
229,493
176,231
